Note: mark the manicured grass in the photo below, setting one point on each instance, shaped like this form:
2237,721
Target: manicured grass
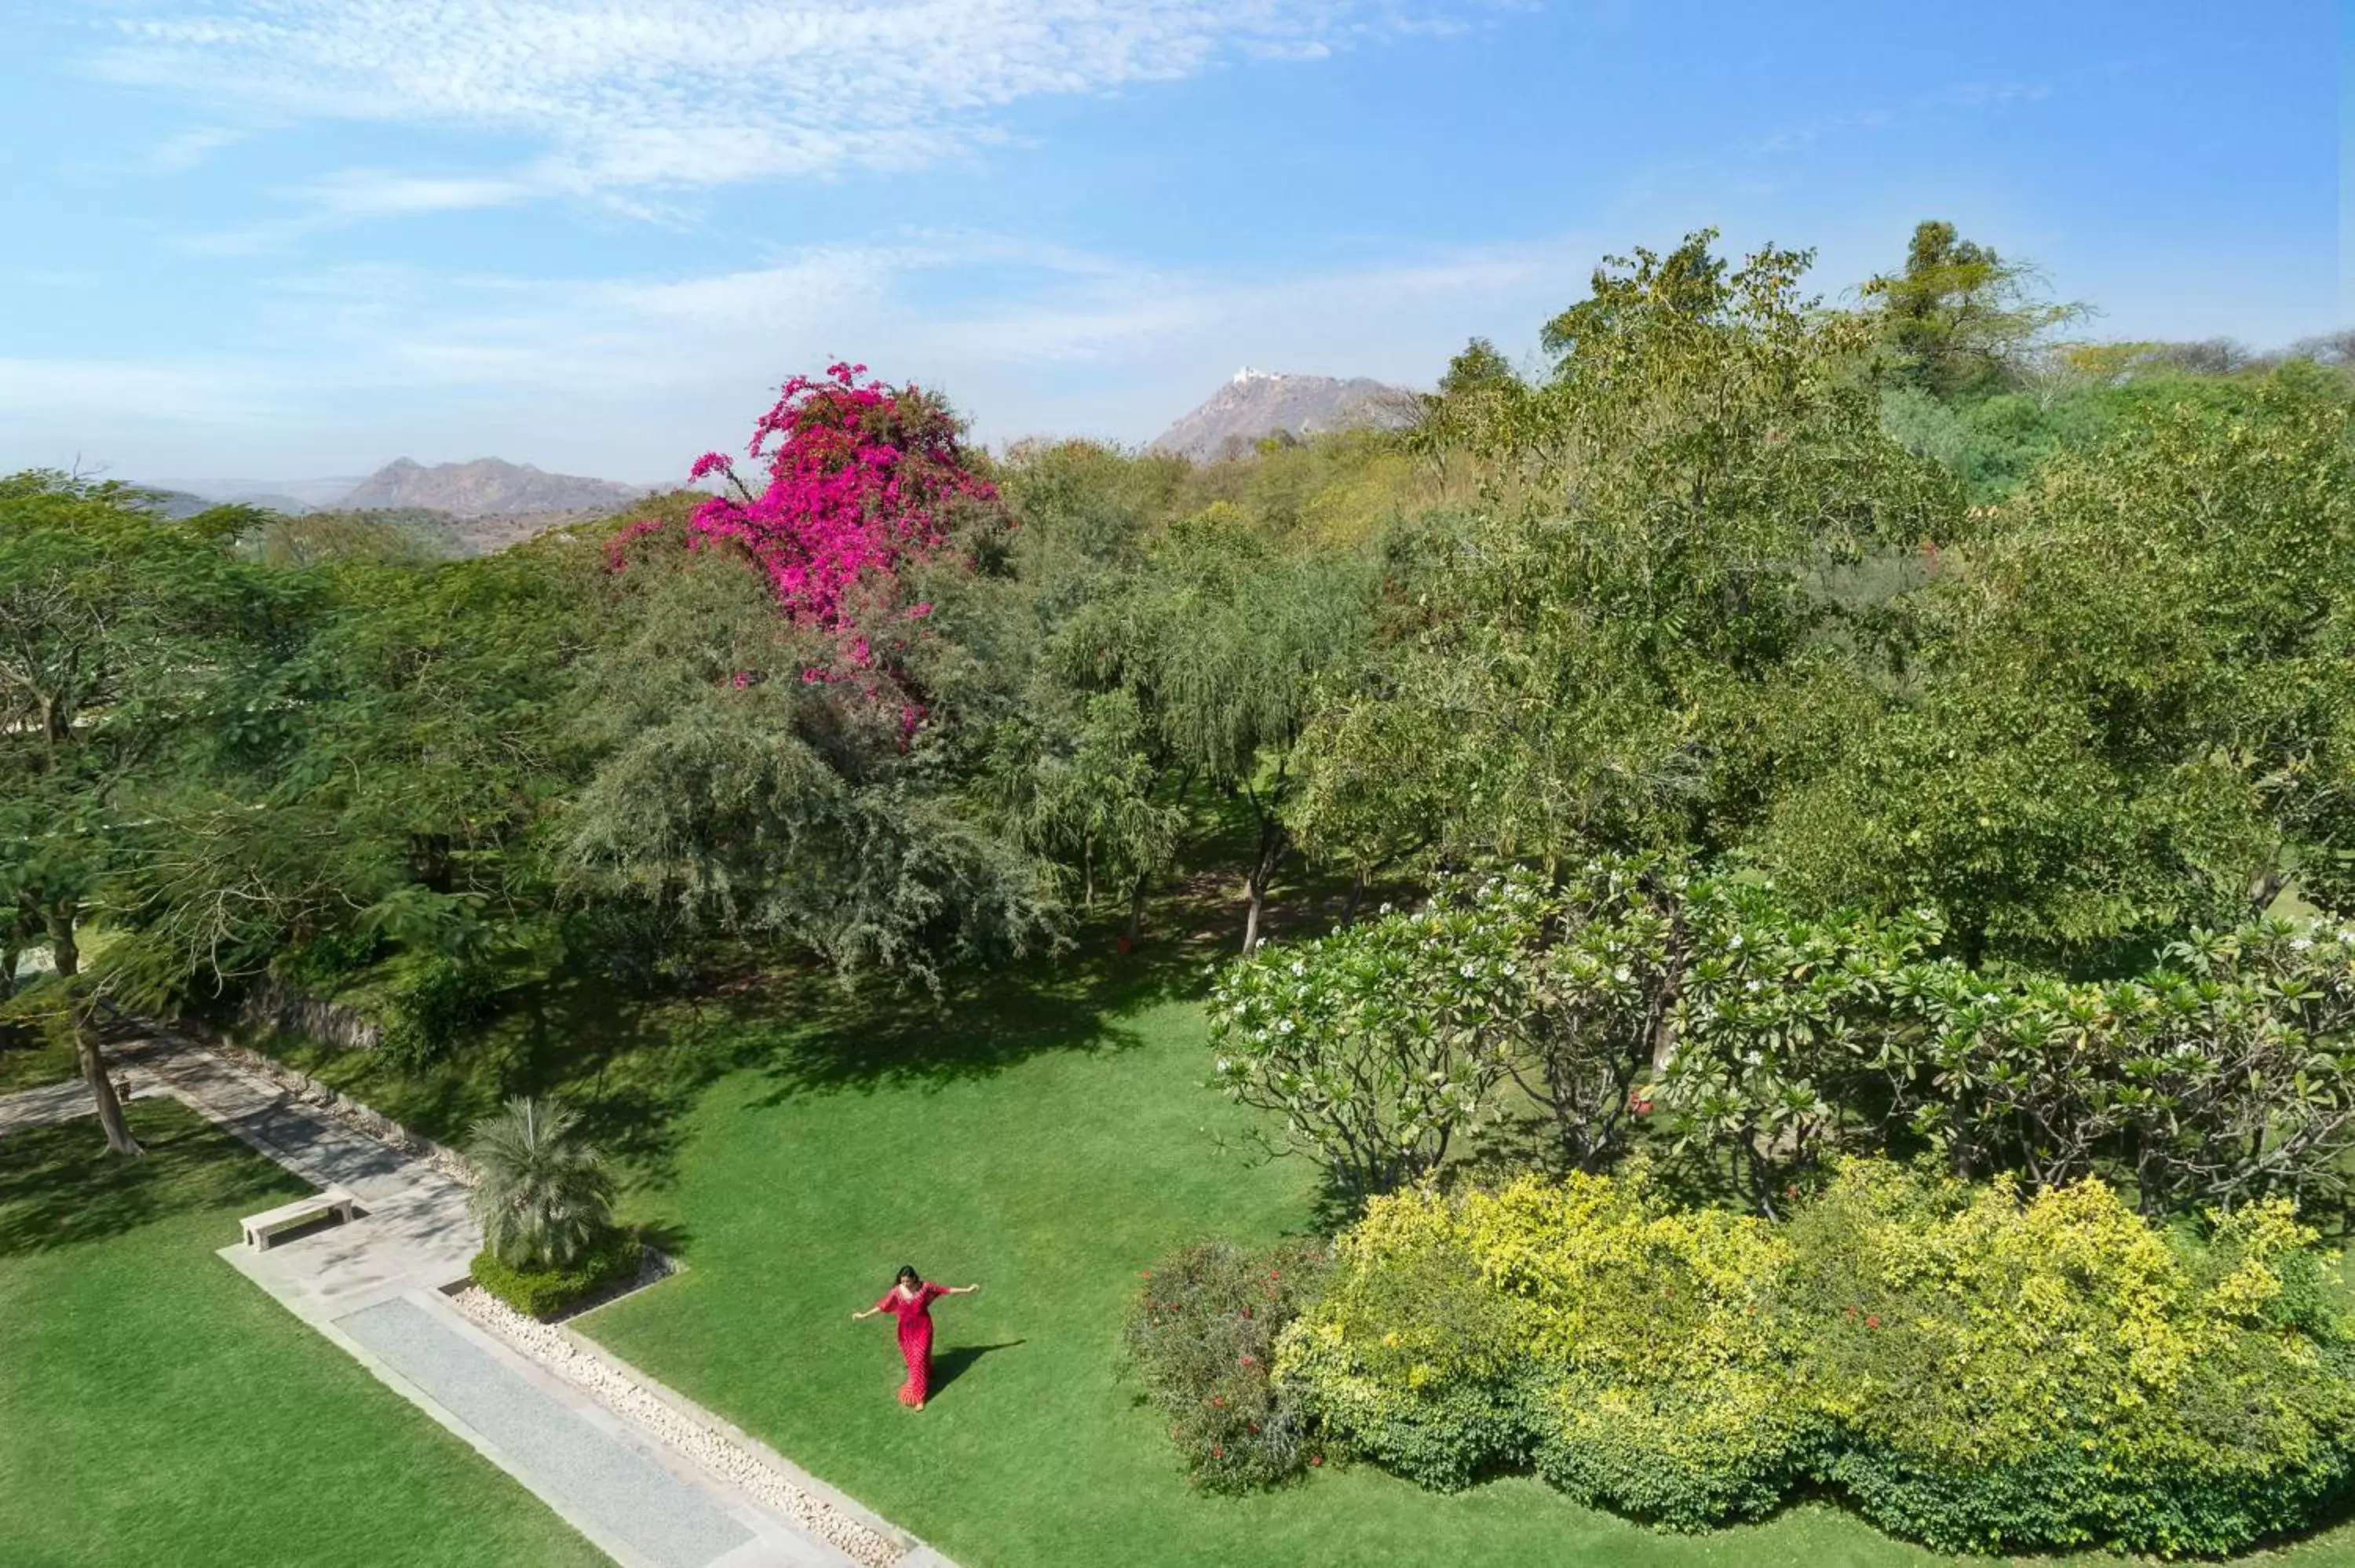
157,1408
1049,1139
1051,1179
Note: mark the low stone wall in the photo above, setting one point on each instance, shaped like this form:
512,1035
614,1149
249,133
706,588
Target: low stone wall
270,1006
352,1113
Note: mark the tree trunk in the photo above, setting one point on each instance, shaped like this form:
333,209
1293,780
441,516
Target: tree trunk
67,953
1136,908
1272,840
2268,888
101,1089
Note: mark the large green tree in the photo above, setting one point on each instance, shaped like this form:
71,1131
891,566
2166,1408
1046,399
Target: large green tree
1576,661
2128,706
121,634
737,789
1220,641
1958,319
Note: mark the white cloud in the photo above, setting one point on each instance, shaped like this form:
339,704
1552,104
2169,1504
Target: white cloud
630,378
682,94
178,155
378,193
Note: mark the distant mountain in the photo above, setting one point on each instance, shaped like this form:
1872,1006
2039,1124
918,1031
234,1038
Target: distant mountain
173,503
285,495
483,487
420,530
1258,403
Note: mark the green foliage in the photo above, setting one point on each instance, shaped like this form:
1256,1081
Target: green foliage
1586,651
2011,1376
1220,641
608,1260
542,1195
1629,1351
735,797
1779,1039
1202,1335
427,1002
2124,706
411,534
1973,1370
1960,318
1377,1044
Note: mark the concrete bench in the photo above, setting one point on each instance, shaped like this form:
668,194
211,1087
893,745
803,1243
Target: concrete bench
259,1228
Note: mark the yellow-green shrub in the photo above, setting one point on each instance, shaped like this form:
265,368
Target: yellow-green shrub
1627,1349
1975,1370
2005,1374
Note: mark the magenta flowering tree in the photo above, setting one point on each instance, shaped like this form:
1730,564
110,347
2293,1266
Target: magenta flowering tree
864,480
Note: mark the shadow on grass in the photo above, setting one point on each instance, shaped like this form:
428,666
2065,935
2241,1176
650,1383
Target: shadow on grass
59,1187
858,1041
952,1363
635,1065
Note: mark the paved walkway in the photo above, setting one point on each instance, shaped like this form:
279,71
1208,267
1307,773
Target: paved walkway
374,1287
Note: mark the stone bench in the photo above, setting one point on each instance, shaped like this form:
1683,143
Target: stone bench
259,1228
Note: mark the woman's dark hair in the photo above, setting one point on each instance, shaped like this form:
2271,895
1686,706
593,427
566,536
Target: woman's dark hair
907,1271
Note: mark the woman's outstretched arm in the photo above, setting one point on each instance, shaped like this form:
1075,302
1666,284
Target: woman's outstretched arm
959,1289
855,1317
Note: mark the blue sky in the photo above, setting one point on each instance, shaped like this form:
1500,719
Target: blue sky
294,238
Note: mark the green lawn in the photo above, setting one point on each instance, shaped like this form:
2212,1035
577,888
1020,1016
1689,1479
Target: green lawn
796,1147
155,1407
28,1060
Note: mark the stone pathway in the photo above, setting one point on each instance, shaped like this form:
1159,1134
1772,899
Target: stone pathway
375,1287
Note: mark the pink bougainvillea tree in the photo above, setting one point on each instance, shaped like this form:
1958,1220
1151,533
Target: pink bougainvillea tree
864,479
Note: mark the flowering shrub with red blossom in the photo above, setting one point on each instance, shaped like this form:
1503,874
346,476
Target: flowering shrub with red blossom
1202,1336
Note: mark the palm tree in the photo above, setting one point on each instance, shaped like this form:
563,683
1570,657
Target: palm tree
541,1194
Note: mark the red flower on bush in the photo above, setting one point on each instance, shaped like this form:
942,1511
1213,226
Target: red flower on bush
1873,1322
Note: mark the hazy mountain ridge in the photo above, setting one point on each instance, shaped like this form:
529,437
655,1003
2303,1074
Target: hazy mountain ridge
1257,404
486,487
174,503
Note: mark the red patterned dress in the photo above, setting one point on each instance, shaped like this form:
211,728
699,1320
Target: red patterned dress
915,1315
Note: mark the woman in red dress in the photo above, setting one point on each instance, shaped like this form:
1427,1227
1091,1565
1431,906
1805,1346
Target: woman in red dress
910,1300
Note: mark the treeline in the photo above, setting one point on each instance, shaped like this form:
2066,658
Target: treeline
1898,606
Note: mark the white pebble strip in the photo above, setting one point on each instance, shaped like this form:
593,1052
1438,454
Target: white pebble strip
618,1392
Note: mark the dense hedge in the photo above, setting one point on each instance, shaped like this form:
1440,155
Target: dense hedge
544,1292
1973,1370
1202,1338
1628,1351
2006,1375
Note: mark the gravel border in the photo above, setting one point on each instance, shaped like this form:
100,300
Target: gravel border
610,1385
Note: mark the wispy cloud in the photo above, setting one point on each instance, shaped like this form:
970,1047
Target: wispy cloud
643,373
178,155
638,94
379,193
1958,97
